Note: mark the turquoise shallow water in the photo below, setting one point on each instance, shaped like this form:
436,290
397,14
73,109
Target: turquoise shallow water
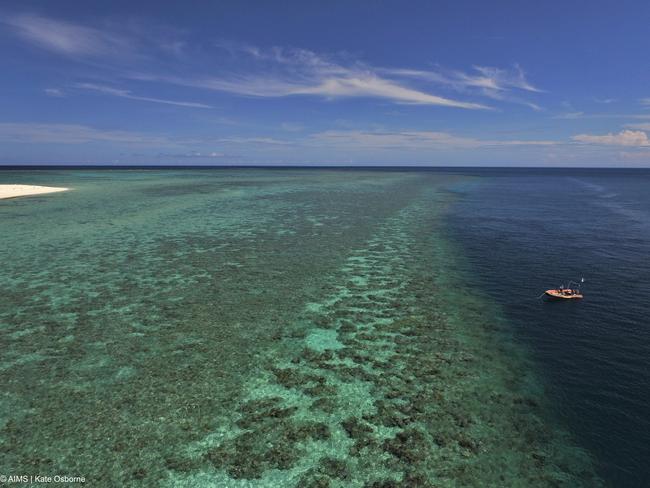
235,328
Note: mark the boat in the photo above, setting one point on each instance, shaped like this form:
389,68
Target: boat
568,292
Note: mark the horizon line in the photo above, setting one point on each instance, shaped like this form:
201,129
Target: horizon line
5,167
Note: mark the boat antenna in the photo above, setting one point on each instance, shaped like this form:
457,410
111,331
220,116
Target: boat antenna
582,280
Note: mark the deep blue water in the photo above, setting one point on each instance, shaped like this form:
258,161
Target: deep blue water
525,232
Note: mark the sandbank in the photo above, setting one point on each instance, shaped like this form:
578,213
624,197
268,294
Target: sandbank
13,191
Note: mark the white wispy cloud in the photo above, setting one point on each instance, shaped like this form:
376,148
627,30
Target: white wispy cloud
292,126
495,83
347,84
127,94
261,72
75,134
583,115
278,72
485,77
645,126
502,84
271,141
54,133
500,79
645,102
195,155
571,116
370,85
635,138
54,92
641,156
65,37
408,140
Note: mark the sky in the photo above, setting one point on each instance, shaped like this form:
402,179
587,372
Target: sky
463,83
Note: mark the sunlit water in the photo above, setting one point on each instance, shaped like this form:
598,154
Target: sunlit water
245,328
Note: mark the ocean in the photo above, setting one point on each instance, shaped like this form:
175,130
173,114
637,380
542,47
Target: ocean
325,327
524,232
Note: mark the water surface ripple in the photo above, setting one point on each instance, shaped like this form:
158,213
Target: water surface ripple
524,233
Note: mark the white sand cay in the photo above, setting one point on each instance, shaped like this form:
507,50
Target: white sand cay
13,191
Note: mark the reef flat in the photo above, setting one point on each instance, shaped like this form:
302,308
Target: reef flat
252,329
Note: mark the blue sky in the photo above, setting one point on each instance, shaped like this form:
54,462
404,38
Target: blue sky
377,82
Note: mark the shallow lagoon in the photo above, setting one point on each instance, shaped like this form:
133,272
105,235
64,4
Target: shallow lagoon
243,328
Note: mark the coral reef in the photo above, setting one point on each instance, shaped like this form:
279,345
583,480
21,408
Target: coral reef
261,330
